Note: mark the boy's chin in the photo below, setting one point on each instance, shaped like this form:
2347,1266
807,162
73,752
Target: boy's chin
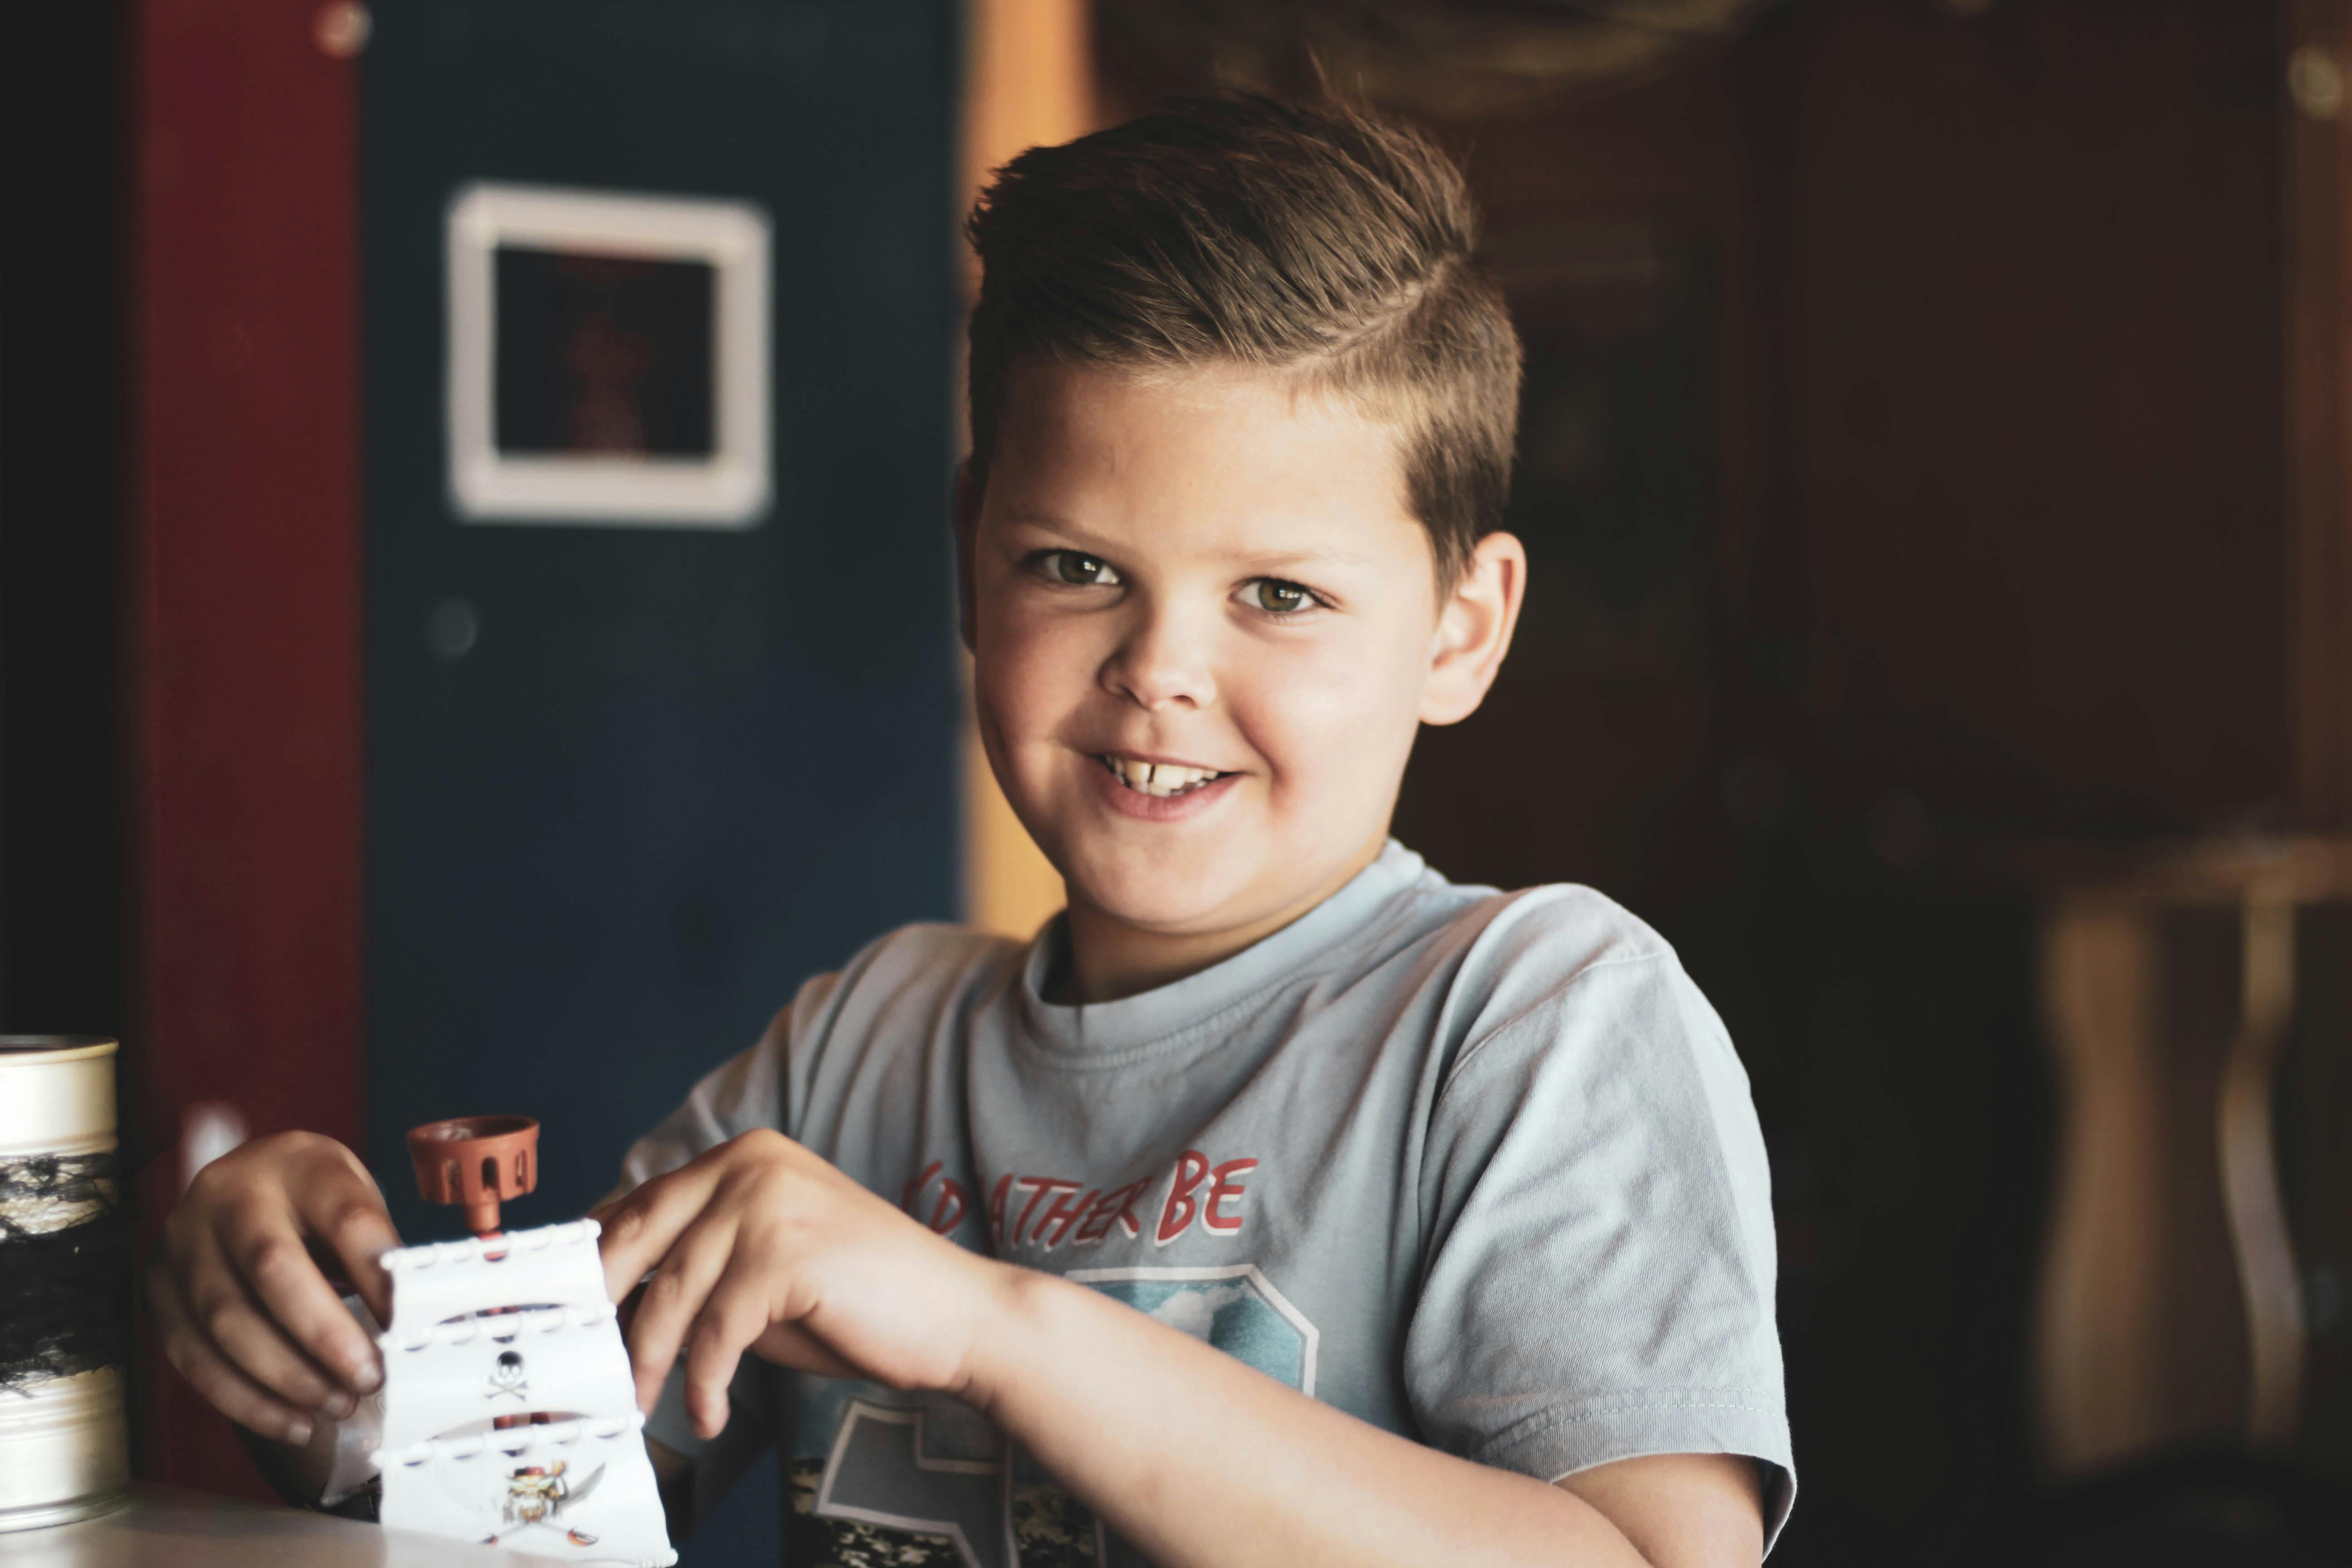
1157,909
1170,899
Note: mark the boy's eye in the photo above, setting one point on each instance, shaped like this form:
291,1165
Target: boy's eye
1276,596
1080,571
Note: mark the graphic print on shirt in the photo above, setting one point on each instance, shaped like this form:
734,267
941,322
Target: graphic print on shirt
1233,1307
882,1475
882,1496
1027,1213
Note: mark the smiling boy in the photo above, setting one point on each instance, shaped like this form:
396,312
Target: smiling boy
1282,1202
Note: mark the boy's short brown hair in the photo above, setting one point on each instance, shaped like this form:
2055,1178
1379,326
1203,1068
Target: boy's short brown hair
1323,242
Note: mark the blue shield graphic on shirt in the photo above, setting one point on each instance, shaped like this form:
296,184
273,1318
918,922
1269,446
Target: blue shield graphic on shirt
1233,1307
885,1468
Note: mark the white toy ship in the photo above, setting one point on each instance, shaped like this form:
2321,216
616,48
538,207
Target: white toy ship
510,1414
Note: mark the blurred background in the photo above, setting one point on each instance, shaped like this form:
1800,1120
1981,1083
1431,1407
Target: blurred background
1934,466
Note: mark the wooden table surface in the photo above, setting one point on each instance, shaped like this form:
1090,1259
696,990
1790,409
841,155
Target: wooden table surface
163,1526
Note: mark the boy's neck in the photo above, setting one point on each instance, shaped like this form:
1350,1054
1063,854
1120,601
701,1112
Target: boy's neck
1109,959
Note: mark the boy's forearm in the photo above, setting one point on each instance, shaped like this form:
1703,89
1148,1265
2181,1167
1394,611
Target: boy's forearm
1197,1459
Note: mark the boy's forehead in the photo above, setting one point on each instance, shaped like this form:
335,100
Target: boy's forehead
1233,457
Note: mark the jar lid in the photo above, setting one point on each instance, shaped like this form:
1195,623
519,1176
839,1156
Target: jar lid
56,1094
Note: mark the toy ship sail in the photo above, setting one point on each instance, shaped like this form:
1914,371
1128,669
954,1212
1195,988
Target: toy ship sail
510,1414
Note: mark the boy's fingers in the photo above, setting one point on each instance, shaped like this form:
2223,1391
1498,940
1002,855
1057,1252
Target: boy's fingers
297,1301
225,1388
736,1315
236,1326
350,1217
215,1304
673,1298
639,1229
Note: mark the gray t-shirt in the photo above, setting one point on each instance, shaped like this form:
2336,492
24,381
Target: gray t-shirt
1480,1168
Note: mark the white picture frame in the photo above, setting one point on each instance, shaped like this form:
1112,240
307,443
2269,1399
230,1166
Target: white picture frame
732,487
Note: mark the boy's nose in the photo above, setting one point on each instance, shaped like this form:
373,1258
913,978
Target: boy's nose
1162,663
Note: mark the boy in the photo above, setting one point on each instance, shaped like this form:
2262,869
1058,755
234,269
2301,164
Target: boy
1281,1203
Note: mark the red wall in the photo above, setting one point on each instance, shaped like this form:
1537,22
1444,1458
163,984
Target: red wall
245,626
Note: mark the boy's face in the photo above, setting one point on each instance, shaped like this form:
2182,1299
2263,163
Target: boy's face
1205,573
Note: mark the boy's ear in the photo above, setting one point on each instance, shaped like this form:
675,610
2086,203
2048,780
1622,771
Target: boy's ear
967,526
1473,629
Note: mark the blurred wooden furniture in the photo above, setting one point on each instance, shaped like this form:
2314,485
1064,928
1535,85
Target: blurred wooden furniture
2170,1305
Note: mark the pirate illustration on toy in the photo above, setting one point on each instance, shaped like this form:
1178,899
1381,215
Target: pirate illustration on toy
538,1495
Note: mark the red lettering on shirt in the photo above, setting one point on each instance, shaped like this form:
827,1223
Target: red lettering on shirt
1097,1224
1126,1196
915,1185
1056,1211
1192,1170
1116,1206
948,1213
1059,1216
996,1211
1221,1187
1039,1186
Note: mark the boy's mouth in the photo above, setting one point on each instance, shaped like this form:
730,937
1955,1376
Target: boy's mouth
1160,779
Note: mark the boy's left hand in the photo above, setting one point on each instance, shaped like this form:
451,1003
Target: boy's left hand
762,1246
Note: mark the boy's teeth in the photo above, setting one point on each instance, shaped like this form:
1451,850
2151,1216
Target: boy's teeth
1158,778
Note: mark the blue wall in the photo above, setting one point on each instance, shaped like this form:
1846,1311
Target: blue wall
676,771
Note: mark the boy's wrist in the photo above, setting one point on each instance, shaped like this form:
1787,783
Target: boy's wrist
1015,1304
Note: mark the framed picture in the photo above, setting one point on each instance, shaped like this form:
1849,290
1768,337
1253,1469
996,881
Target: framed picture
608,358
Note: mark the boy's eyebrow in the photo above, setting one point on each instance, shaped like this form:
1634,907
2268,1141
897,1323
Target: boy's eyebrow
1051,524
1307,558
1269,562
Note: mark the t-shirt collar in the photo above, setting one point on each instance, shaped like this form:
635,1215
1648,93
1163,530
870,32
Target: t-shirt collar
1151,1017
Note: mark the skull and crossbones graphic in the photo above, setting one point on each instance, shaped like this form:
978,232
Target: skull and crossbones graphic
506,1377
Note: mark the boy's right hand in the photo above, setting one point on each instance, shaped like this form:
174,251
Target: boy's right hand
247,1313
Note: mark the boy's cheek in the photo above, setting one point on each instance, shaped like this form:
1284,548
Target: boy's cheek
1350,705
1030,675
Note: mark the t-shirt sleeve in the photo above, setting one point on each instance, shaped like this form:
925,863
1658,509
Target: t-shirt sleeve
744,1092
1599,1260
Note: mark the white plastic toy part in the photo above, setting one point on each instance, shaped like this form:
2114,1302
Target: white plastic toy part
517,1328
